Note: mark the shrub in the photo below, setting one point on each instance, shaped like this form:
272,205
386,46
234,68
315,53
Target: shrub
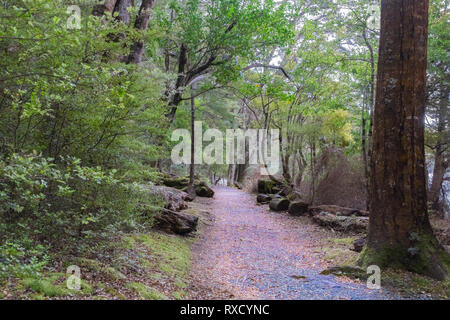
63,202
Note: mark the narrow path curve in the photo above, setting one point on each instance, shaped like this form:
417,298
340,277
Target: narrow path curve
249,252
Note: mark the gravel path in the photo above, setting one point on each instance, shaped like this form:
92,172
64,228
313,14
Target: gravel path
248,252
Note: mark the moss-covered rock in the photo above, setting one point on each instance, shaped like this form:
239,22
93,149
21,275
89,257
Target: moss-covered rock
267,186
298,208
202,190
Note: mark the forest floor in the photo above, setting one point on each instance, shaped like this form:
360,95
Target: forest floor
246,251
240,251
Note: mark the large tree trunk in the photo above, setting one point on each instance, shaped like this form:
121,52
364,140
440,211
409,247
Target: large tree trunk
123,14
441,154
101,9
400,234
141,23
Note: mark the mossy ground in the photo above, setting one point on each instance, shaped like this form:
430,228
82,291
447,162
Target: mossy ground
148,265
427,259
335,250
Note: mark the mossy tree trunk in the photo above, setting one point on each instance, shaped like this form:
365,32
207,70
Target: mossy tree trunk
400,233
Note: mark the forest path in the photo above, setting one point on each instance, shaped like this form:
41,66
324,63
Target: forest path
251,253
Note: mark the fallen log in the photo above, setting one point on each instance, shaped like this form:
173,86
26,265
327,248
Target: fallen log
342,223
338,211
279,204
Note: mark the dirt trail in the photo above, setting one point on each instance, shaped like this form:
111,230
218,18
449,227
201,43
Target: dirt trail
248,252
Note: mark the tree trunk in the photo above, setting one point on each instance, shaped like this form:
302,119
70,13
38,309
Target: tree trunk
190,188
121,7
176,99
231,172
101,9
400,233
141,23
441,156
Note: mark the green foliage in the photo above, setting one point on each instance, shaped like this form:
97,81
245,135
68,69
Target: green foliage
65,201
145,291
22,259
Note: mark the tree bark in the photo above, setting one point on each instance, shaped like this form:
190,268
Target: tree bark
400,233
441,155
101,9
121,7
141,23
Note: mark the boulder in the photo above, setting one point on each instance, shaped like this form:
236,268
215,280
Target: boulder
263,198
359,244
176,222
182,183
338,211
298,208
267,186
175,181
285,191
202,190
174,199
279,204
342,223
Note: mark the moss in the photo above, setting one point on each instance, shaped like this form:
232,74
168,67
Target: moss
173,251
179,295
349,271
128,242
96,266
345,241
424,257
146,292
37,296
267,186
50,287
388,256
180,284
45,287
156,276
415,284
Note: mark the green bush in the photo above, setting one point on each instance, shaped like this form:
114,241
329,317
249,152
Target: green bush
22,259
62,202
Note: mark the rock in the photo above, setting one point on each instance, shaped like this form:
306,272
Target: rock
189,198
263,198
174,199
298,208
175,181
279,204
359,244
202,190
176,222
339,211
342,223
285,191
181,183
267,186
